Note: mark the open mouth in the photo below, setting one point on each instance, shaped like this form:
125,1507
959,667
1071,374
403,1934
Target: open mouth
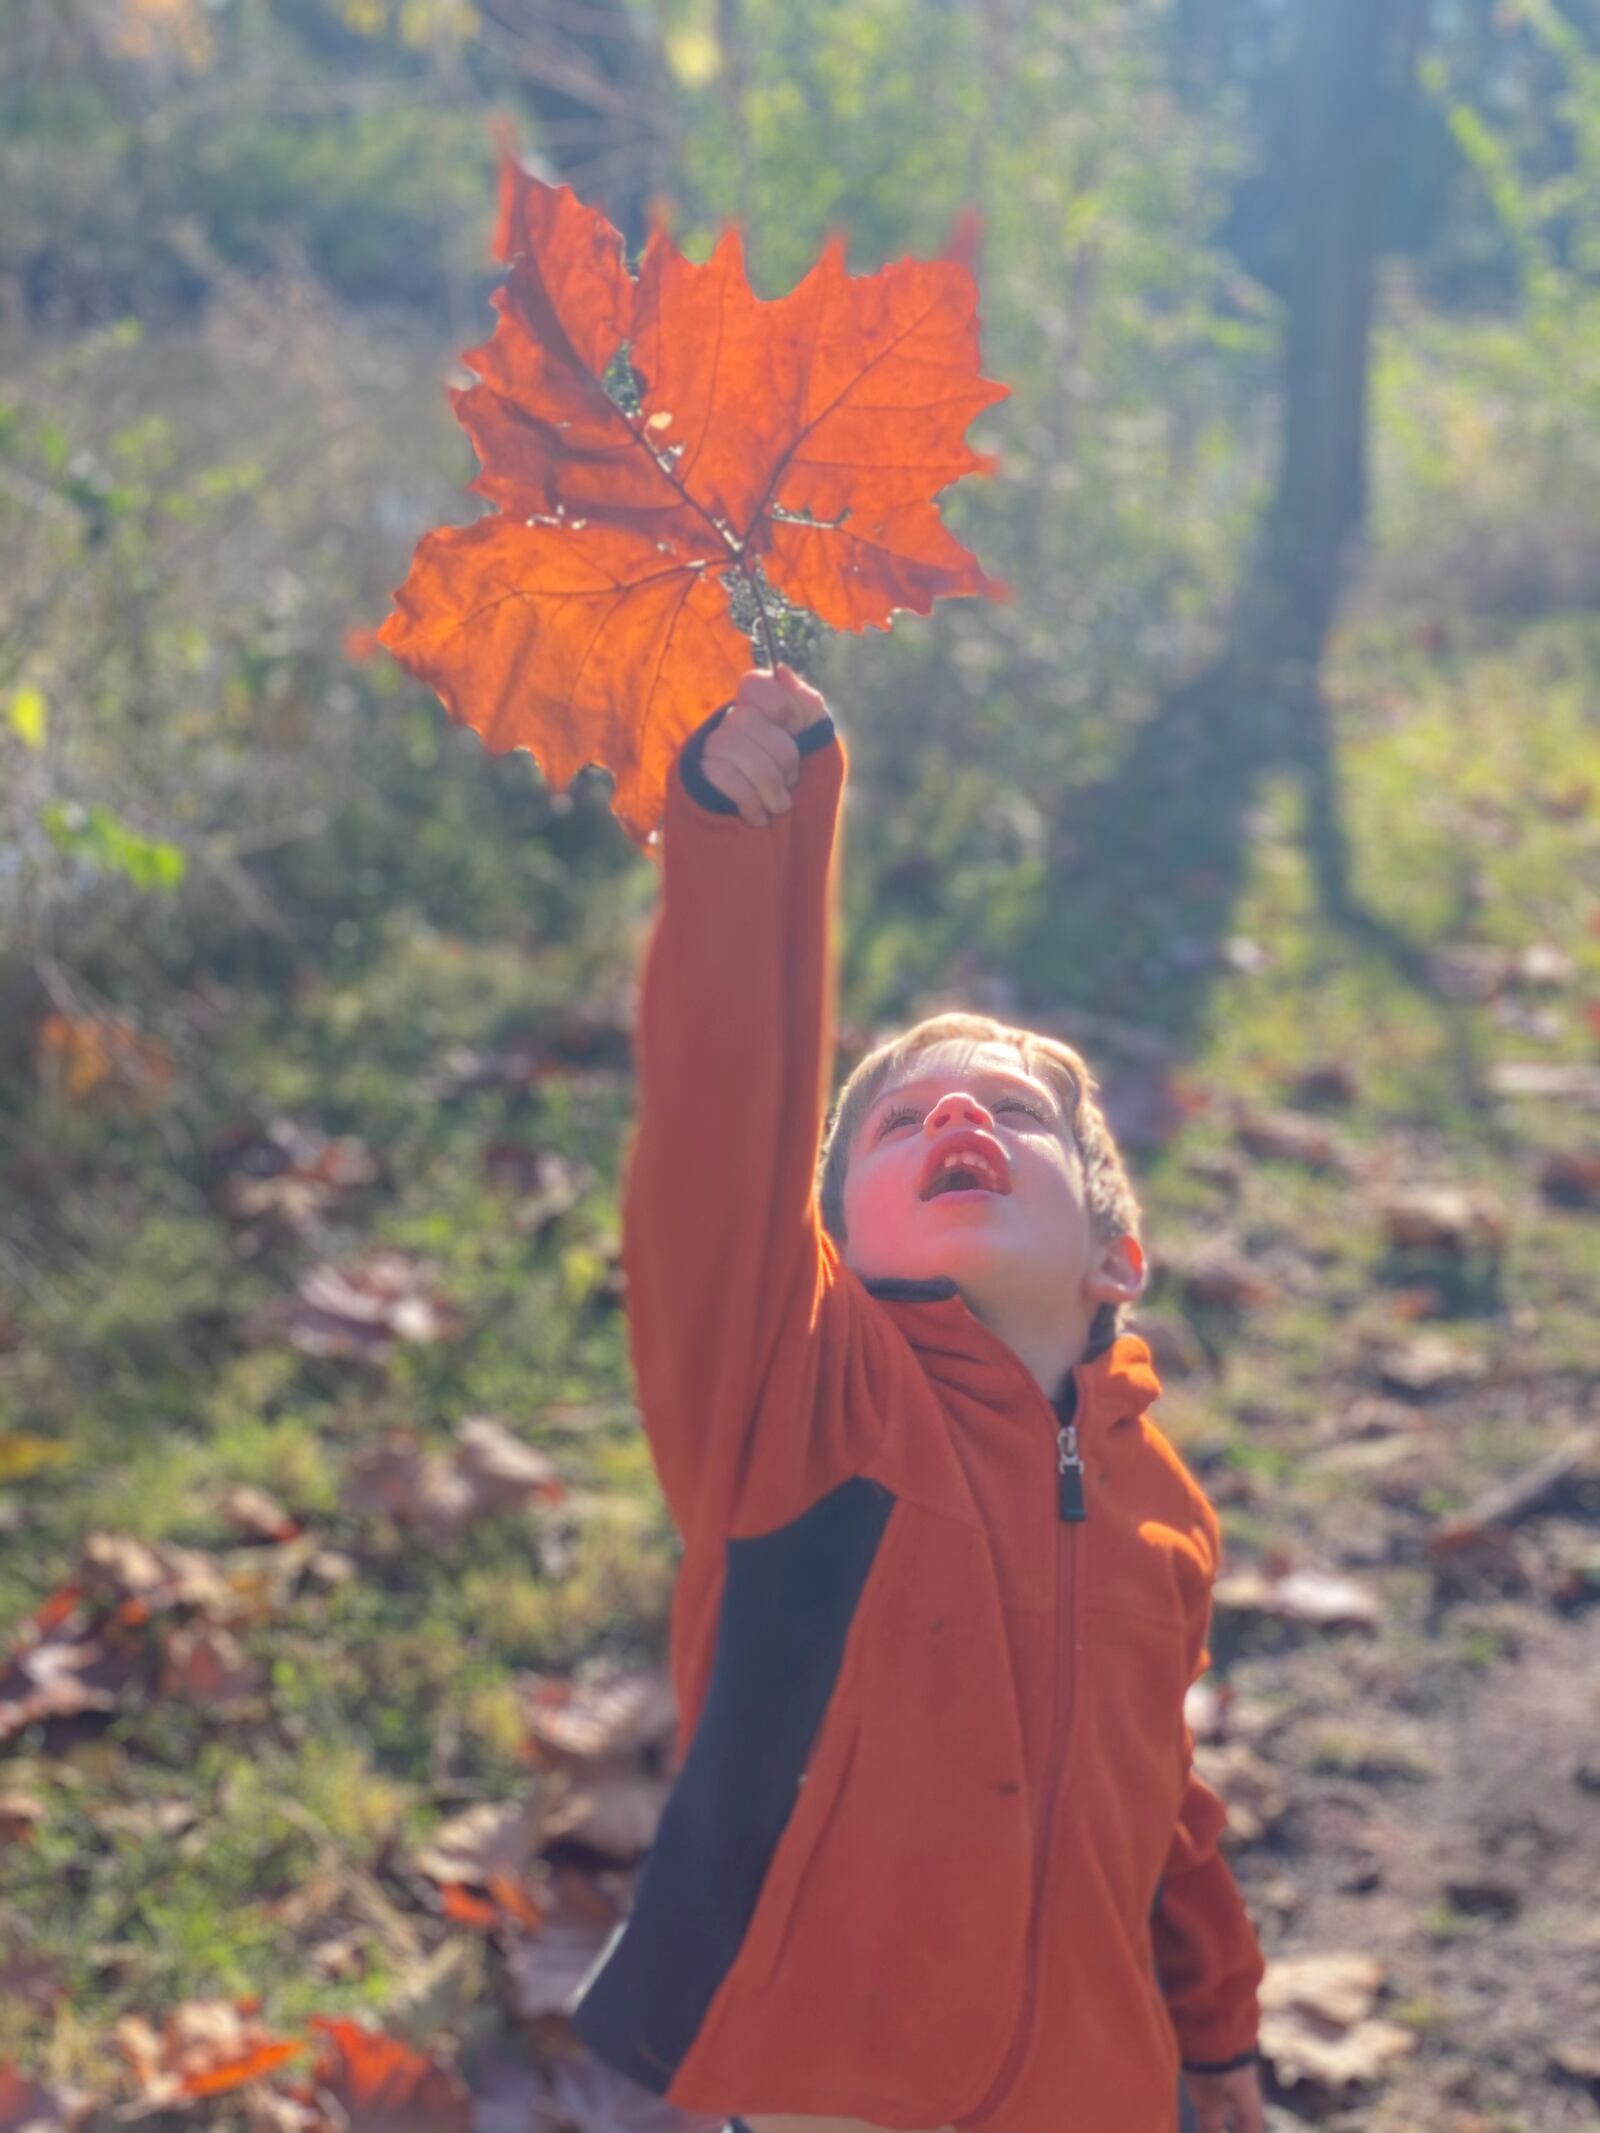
966,1167
959,1180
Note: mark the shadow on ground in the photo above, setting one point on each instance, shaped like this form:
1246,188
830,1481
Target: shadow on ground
1153,857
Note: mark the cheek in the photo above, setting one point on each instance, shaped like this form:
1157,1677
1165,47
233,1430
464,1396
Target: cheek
872,1194
1056,1192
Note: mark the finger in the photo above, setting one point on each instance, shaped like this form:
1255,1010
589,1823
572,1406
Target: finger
766,694
802,688
742,744
774,742
731,781
765,774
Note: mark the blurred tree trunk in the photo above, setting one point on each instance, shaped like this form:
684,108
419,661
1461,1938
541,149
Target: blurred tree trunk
1348,98
596,86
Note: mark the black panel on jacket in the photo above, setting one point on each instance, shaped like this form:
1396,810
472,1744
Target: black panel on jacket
788,1600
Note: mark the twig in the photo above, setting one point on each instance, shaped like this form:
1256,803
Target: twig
1509,1502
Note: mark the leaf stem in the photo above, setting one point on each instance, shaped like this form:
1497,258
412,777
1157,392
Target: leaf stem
769,642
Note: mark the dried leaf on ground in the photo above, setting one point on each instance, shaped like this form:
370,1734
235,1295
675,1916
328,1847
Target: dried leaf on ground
88,1646
205,1664
1317,2025
1146,1103
1290,1137
202,2048
613,1811
257,1515
613,1712
380,2084
490,1848
364,1311
1459,1219
117,1567
501,1470
70,1657
542,1183
1218,1276
1466,1561
287,1172
488,1472
1430,1363
1320,1597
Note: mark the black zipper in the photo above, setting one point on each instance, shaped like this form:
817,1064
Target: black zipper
1070,1466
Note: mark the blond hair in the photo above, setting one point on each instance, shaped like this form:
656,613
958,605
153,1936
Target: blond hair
1113,1209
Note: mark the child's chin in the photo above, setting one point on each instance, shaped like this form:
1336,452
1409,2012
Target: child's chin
968,1238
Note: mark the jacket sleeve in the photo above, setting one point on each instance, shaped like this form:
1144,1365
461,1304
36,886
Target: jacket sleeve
741,1329
1207,1956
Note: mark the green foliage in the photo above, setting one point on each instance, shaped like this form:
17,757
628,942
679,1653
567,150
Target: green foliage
235,273
95,834
1487,417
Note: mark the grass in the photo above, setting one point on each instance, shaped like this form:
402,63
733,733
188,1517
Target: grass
132,1354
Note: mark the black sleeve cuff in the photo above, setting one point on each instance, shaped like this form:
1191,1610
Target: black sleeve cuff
1222,2066
808,740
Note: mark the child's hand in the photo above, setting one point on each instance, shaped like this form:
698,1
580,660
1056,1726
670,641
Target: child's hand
751,758
1228,2103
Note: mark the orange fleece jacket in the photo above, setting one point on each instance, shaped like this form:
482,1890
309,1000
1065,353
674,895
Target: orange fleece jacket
935,1851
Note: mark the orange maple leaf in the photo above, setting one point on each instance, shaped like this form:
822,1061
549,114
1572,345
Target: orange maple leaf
796,444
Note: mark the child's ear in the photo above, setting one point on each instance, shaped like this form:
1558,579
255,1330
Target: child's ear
1117,1274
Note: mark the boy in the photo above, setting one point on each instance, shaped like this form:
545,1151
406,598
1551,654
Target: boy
935,1856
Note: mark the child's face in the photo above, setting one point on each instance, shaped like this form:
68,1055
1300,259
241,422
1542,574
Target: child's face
1023,1233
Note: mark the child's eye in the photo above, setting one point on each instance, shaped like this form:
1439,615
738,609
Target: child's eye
1005,1103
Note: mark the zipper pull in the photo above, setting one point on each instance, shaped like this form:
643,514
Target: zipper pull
1071,1466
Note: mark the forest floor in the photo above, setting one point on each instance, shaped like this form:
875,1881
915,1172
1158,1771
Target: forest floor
321,1566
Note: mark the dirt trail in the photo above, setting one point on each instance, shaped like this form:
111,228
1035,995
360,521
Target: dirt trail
1464,1851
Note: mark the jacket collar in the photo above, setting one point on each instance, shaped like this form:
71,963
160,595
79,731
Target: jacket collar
1099,1393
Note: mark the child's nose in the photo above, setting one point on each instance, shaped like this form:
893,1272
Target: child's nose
958,1108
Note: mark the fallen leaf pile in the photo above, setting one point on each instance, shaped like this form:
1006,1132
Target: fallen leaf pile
87,1645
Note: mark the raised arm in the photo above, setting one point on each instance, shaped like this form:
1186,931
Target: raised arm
736,1324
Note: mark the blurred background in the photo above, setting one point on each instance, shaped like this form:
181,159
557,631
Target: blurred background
334,1576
